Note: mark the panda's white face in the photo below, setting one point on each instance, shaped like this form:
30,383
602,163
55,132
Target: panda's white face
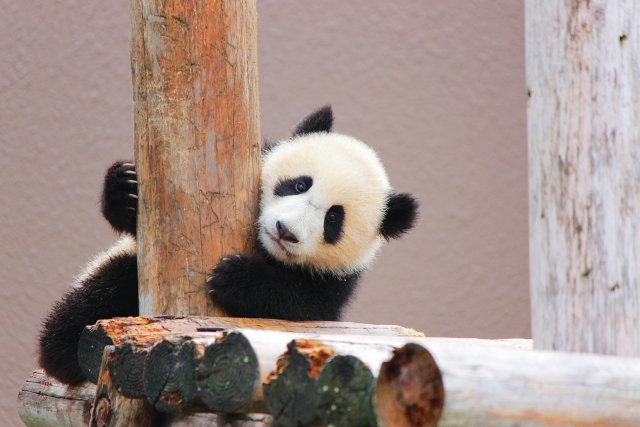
322,202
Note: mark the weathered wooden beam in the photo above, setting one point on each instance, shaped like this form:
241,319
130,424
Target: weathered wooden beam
197,144
143,332
44,402
584,182
110,409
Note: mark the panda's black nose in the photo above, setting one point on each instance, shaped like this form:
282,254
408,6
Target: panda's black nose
285,234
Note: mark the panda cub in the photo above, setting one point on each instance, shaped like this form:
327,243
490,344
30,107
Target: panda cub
326,206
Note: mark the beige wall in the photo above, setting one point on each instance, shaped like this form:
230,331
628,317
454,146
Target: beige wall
437,87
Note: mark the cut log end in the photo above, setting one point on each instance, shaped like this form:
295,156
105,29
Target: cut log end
227,374
345,388
126,367
169,376
92,342
290,391
409,390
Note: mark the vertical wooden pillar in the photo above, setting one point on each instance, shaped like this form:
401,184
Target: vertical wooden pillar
195,86
583,81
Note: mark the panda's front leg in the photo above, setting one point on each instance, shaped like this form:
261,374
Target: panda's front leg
119,200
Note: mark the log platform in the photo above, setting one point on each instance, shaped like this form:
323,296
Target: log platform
301,376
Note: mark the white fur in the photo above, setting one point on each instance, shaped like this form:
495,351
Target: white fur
345,172
126,245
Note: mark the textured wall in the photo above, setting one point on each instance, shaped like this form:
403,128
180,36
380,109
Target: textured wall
436,87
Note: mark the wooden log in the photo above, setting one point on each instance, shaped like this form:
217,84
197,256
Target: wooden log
488,385
197,145
110,409
331,379
497,387
316,349
44,402
584,182
143,332
219,373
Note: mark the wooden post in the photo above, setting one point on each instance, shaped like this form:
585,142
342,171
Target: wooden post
197,145
584,180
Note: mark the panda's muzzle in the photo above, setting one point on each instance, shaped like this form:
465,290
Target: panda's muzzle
285,234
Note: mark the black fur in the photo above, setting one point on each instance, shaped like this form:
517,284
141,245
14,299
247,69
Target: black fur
320,120
119,200
333,229
291,187
248,286
112,291
400,216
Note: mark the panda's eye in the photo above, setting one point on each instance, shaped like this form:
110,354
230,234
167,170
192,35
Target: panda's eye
332,217
293,186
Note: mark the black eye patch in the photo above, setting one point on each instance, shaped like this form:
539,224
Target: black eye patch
293,186
333,221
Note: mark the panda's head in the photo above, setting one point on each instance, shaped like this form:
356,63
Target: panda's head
326,203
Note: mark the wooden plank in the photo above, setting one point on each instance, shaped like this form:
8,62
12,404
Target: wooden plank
584,182
197,145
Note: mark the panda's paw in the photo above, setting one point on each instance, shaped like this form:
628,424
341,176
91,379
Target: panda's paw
233,282
120,196
231,272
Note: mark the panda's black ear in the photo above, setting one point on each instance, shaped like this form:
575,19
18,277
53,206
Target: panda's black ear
320,120
401,215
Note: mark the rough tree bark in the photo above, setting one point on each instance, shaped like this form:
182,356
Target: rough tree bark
197,145
583,112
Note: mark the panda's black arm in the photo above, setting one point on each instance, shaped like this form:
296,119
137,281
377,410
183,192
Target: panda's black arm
247,286
109,291
119,201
